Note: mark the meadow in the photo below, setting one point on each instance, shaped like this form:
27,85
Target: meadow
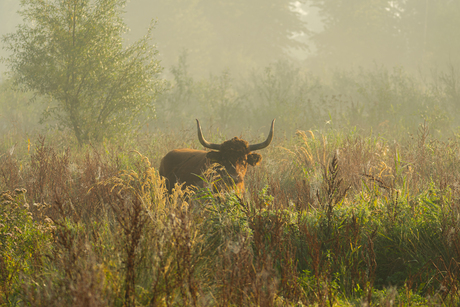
358,208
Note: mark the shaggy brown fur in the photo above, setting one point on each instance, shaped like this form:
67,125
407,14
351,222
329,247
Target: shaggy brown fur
188,165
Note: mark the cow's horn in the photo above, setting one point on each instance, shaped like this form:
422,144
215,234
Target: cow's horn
203,141
267,141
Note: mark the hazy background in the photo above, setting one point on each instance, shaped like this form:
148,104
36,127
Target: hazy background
239,35
366,63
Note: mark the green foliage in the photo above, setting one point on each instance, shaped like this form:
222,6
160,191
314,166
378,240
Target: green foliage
22,240
72,52
351,220
227,224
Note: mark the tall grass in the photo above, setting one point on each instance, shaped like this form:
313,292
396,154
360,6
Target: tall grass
327,219
355,203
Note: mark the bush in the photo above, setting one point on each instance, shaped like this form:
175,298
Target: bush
23,242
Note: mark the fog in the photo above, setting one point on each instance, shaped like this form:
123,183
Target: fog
316,35
221,35
307,63
240,35
356,200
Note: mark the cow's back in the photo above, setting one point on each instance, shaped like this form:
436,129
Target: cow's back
183,166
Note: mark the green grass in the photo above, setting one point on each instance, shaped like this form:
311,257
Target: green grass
355,203
334,219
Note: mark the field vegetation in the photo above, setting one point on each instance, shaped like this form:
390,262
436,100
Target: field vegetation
356,202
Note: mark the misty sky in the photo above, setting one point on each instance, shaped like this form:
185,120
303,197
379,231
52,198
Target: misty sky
140,13
241,35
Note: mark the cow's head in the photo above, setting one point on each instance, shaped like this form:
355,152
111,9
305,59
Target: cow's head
234,155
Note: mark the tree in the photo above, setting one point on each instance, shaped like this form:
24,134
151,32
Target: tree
358,32
431,28
9,22
399,32
220,34
72,51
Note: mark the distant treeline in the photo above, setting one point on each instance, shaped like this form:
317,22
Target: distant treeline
382,100
379,99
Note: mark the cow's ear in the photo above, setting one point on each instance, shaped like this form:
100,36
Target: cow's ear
213,156
254,159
